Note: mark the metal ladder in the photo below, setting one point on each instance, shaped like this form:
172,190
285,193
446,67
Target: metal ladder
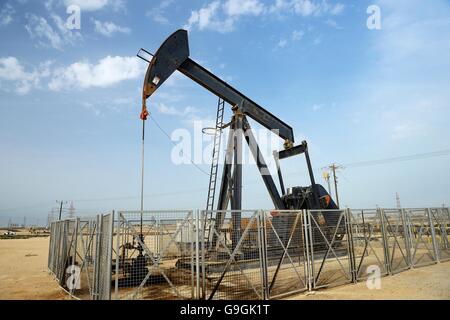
214,167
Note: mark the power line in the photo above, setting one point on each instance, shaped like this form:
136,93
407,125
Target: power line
398,159
351,165
170,139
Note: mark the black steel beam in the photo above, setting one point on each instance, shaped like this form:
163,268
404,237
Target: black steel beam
236,196
262,166
223,90
292,151
174,55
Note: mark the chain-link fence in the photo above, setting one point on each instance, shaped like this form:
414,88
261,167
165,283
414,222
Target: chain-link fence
80,256
368,242
440,220
330,246
397,245
421,237
286,253
154,255
232,260
256,254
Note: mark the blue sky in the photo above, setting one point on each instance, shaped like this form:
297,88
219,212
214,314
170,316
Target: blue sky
70,99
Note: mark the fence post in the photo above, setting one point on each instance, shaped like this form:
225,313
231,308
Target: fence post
433,236
110,255
262,245
203,224
384,233
118,235
197,255
407,235
308,244
98,231
348,218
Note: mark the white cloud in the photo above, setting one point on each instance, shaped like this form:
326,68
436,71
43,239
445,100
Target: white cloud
332,23
408,75
222,16
11,70
282,43
6,15
243,7
158,13
107,72
317,107
39,28
207,18
94,5
91,107
88,5
297,35
305,7
310,7
109,28
168,110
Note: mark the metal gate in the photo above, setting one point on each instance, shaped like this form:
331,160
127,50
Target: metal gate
396,240
368,242
440,219
285,252
421,237
330,248
233,270
102,267
154,256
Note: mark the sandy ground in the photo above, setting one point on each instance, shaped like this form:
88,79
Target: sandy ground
23,271
23,275
429,283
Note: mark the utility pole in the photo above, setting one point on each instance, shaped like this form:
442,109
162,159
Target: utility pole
326,176
334,167
60,207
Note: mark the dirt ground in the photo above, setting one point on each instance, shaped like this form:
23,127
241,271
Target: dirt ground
23,275
427,283
23,271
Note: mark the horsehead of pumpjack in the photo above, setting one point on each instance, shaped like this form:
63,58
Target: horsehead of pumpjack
174,55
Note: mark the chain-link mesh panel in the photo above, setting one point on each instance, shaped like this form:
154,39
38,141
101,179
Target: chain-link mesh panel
396,239
155,255
51,247
233,260
367,242
420,237
286,257
440,218
104,257
330,247
86,251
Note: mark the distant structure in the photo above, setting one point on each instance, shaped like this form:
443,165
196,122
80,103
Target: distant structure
326,177
71,211
397,198
333,168
51,217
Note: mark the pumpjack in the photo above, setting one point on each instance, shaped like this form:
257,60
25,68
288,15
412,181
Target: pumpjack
174,55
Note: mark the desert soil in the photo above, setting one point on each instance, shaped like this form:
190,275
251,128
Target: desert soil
24,275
